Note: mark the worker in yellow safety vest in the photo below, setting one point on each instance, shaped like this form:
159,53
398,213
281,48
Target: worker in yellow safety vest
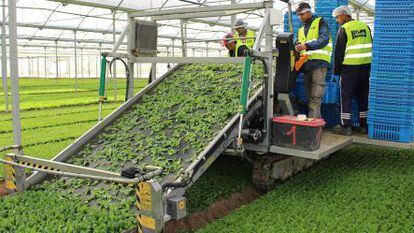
315,48
244,38
353,54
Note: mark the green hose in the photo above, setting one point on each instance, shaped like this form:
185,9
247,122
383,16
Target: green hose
102,80
245,85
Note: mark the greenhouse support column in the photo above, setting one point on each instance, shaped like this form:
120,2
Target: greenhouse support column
233,19
45,64
76,61
184,37
14,75
68,67
173,47
114,64
82,62
207,49
38,67
57,62
153,72
130,46
29,72
89,67
4,58
193,52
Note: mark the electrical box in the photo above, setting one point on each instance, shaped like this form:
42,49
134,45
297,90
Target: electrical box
177,207
146,34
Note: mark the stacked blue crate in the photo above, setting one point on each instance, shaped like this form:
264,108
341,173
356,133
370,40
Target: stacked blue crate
391,100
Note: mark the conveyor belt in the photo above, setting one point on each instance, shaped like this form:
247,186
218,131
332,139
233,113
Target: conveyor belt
181,122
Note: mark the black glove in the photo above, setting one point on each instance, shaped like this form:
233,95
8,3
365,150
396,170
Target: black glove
130,172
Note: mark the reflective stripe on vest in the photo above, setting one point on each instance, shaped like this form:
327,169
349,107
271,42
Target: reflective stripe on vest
359,45
247,42
324,53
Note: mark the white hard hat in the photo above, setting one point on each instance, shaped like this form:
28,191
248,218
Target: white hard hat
341,10
240,24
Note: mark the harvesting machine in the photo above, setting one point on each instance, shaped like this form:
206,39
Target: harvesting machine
247,134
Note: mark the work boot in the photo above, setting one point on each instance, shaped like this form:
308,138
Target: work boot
361,130
339,129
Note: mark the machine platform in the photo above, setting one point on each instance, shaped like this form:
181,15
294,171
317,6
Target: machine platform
330,143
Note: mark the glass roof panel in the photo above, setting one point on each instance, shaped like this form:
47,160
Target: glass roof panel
41,22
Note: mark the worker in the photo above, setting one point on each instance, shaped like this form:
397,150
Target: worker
230,44
244,38
353,54
315,45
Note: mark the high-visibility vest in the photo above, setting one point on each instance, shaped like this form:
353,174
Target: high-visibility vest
359,45
247,42
324,53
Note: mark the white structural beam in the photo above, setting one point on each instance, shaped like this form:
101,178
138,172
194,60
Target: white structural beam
87,41
363,5
128,9
93,4
190,10
4,58
14,75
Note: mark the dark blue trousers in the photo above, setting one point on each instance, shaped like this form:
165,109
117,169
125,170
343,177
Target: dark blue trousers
354,82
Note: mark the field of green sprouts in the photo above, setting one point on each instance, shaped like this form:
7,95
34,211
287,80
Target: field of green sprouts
53,115
358,189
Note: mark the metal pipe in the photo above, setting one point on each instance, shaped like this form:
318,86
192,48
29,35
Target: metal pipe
28,67
76,61
120,39
82,62
4,58
233,19
14,75
38,67
11,147
45,64
114,49
140,178
57,62
183,29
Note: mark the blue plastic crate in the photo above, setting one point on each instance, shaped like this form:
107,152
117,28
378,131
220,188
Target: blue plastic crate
389,77
331,114
385,3
392,25
354,113
401,117
391,132
393,18
393,69
395,85
332,93
299,91
331,96
393,29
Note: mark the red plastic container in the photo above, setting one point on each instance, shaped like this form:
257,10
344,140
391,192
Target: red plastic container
290,133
